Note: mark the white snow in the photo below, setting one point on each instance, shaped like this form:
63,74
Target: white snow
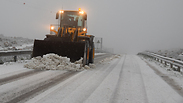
15,43
117,79
125,80
12,67
100,53
167,71
24,46
21,86
158,90
107,60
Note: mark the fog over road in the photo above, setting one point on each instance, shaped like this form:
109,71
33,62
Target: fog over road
135,25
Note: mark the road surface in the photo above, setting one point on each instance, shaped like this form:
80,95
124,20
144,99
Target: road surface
127,79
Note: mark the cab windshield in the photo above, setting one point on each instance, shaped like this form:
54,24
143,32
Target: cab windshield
72,19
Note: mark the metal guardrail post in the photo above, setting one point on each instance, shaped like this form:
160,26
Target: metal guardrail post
171,65
15,58
178,69
165,63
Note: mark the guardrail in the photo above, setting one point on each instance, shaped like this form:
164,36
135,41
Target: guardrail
15,53
175,64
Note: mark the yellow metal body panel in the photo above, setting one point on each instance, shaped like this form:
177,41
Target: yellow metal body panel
88,51
93,53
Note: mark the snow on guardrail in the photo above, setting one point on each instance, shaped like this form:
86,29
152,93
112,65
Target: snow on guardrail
177,65
15,53
7,55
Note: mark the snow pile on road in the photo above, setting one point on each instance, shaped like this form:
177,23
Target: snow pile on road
55,62
107,60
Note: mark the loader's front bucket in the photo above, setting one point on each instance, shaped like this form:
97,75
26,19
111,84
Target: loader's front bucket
72,50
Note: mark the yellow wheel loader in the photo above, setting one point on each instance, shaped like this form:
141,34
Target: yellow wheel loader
70,38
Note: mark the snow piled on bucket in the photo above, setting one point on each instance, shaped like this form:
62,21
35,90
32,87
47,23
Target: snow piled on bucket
56,62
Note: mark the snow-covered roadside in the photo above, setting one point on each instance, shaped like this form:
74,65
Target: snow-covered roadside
25,47
157,89
166,71
19,47
11,67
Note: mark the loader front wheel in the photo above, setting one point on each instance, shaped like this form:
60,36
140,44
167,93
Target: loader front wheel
86,54
92,53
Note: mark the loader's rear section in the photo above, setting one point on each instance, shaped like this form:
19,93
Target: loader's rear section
72,50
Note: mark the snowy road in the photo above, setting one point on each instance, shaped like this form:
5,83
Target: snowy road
127,79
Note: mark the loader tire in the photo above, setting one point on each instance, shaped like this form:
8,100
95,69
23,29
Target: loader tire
92,52
86,54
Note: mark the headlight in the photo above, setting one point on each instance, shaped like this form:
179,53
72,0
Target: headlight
84,29
52,27
61,11
81,12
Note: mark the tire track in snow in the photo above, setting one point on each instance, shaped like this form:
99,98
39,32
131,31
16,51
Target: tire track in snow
158,91
167,79
26,93
104,91
115,94
53,81
18,76
126,85
142,80
95,79
66,88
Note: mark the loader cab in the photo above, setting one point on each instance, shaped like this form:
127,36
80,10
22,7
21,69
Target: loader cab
72,19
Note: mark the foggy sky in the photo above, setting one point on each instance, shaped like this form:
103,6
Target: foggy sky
128,26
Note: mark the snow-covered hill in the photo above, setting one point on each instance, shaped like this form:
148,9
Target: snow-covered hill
176,53
15,43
